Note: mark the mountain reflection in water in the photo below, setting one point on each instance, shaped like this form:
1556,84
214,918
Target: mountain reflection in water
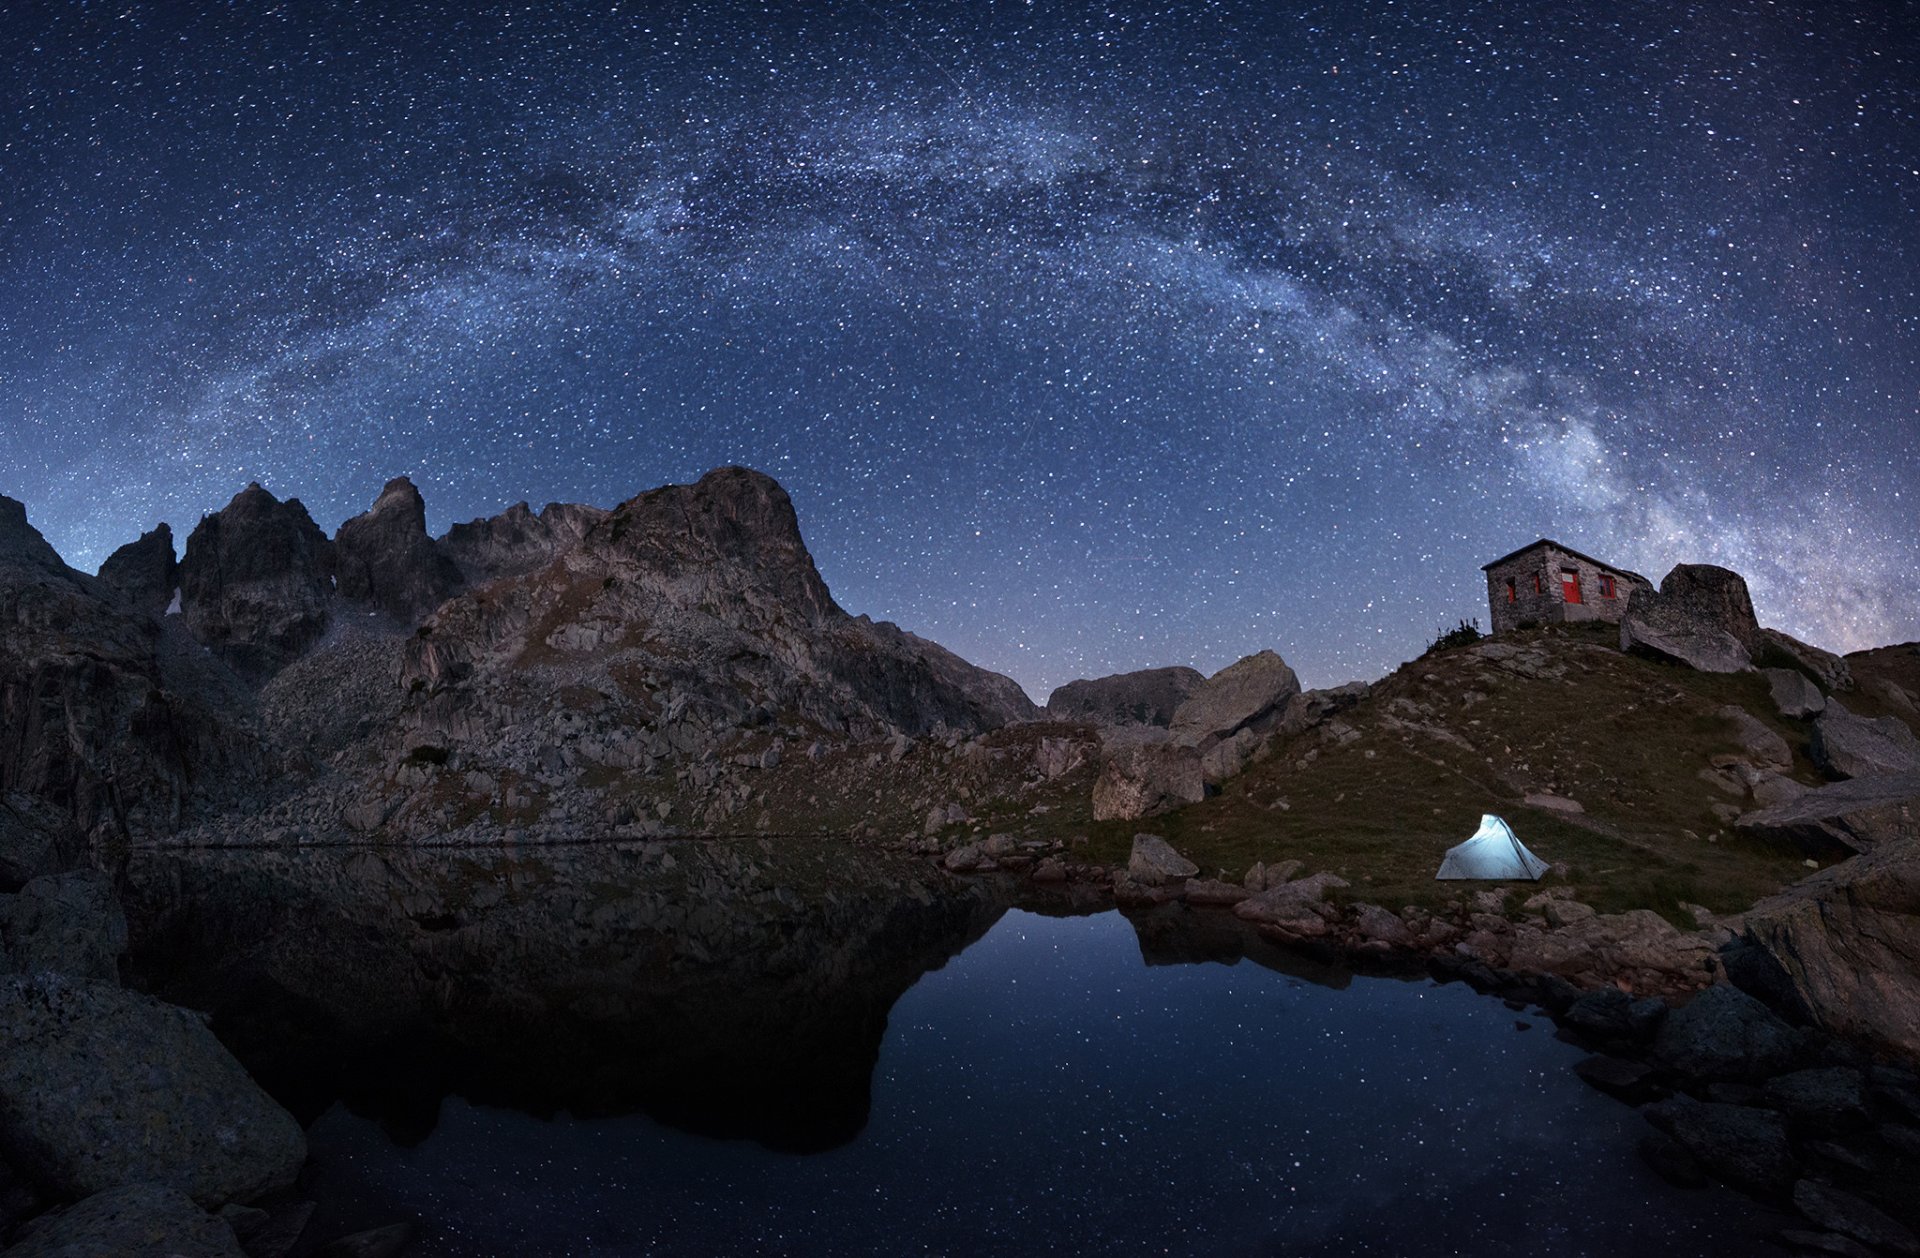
751,1049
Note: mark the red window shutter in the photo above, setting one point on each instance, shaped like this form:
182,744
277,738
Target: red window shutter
1536,583
1606,587
1513,595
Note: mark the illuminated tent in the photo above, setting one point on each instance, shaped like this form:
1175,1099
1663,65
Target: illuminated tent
1493,852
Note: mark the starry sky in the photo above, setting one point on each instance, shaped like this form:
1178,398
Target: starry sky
1085,337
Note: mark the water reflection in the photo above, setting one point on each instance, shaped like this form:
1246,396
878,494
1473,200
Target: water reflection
963,1078
734,990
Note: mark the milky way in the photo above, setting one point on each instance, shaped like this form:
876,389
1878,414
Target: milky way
1085,337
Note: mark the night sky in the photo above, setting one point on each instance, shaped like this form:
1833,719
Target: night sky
1085,337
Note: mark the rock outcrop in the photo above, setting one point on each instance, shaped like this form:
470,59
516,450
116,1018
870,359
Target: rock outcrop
517,542
1849,746
1794,693
1725,1034
1702,616
1847,941
104,730
385,558
1246,694
68,924
134,1221
1153,860
257,582
1149,696
101,1088
1142,776
144,573
20,541
1230,715
1856,815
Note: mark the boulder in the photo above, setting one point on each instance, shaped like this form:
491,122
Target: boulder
1849,746
1829,671
1794,694
256,584
1251,694
1628,1080
1739,1144
1759,742
968,859
1382,926
101,1088
1147,697
1857,815
1213,891
1286,911
1144,777
1701,616
1828,1100
1261,876
1153,860
1610,1013
132,1221
1050,869
144,573
1228,757
1725,1034
1849,1216
384,558
67,924
1846,941
1639,948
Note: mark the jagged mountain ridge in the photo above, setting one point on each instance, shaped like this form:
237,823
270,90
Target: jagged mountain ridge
524,653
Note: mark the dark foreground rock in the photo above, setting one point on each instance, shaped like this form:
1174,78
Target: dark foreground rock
101,1088
1846,1214
133,1221
379,1242
1739,1144
67,924
1846,944
1723,1033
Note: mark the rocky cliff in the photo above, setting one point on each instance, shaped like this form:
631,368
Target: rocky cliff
106,731
576,670
257,582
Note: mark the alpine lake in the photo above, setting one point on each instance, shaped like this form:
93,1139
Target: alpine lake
796,1047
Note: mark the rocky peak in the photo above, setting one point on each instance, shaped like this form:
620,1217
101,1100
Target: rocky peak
256,582
20,540
385,557
517,541
731,537
144,573
1149,696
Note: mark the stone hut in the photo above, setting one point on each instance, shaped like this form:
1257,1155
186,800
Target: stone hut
1544,582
